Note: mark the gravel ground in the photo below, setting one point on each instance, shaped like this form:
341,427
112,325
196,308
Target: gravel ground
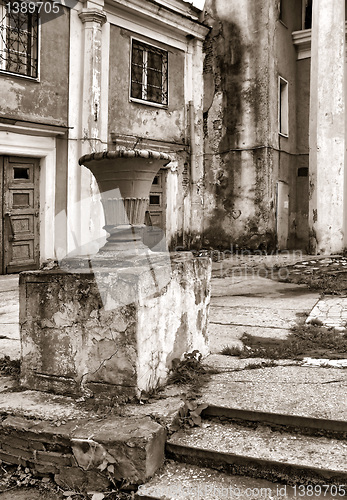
187,482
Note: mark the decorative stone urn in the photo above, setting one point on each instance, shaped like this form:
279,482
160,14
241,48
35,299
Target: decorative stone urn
124,178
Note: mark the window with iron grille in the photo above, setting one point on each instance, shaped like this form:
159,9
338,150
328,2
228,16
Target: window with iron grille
18,40
149,67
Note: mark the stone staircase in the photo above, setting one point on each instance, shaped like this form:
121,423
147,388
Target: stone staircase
250,454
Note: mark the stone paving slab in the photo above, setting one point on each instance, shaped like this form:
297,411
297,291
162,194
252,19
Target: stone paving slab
330,311
290,390
256,306
224,335
10,347
253,316
9,330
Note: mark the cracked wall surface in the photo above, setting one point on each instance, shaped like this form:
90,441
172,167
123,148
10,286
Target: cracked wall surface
246,158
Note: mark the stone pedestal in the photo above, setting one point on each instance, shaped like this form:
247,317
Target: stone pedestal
112,330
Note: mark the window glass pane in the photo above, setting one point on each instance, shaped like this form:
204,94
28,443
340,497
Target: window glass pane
155,61
154,78
137,55
154,94
20,173
136,90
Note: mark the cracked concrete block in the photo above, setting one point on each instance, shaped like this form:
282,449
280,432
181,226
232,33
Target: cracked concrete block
134,446
81,334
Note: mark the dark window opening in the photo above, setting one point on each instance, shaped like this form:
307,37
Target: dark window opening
303,172
156,180
20,173
154,199
308,15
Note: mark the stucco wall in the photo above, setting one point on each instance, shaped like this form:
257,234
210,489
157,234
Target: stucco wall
144,120
302,113
285,65
47,100
249,47
239,196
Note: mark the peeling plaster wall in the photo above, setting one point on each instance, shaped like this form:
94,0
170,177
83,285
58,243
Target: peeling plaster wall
288,158
43,101
47,100
246,51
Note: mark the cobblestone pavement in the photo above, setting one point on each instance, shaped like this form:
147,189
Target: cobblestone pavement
335,266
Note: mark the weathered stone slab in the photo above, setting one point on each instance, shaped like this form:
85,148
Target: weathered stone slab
112,330
86,453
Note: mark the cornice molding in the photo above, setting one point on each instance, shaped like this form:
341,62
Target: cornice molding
176,20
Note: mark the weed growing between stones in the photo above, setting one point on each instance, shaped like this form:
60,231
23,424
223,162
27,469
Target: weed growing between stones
305,340
189,416
9,366
13,477
190,371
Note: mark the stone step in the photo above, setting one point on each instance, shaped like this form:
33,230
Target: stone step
179,481
260,451
283,422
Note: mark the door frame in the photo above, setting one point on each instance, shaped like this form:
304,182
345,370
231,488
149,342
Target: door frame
42,147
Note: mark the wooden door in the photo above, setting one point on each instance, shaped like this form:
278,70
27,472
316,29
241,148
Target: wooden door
20,210
282,215
155,232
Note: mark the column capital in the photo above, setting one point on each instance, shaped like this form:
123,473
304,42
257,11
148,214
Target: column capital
92,15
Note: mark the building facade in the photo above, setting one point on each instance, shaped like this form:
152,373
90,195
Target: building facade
241,98
93,77
274,117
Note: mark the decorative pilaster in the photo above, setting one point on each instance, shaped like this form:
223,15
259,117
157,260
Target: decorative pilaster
92,19
327,128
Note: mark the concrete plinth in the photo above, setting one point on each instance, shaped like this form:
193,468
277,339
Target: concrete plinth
112,331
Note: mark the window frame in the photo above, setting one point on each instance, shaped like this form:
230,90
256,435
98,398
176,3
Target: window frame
283,107
4,71
146,101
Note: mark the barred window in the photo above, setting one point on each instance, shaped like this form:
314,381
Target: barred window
18,40
149,67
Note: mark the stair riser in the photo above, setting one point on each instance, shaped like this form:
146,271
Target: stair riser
253,467
287,423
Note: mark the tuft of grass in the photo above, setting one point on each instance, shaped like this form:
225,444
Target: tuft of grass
9,366
261,364
305,340
190,371
231,351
